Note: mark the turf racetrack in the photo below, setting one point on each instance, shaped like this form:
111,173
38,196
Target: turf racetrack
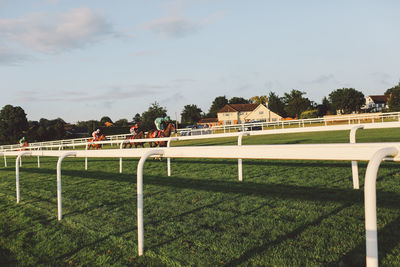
284,213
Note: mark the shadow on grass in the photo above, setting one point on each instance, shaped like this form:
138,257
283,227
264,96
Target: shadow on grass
355,258
347,197
293,234
339,195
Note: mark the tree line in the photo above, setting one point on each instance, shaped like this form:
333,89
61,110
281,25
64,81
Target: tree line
295,104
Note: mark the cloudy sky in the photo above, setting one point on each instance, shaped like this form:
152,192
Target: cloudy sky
82,60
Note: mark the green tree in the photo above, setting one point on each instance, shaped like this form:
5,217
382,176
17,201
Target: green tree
238,100
262,99
148,117
13,124
105,119
394,98
121,123
218,103
295,103
191,114
325,108
89,126
275,104
309,114
137,118
346,100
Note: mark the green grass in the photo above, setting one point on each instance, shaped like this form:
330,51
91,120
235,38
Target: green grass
284,213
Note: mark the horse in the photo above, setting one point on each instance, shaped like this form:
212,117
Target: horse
166,133
23,146
96,146
139,135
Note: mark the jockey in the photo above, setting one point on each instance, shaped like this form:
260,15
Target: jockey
134,129
161,124
96,135
22,141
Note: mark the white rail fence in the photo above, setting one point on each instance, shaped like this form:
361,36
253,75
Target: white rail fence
348,119
345,119
351,152
372,152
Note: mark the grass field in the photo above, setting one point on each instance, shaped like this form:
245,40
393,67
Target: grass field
285,213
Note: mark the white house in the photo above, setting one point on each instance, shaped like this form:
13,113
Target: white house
376,103
241,113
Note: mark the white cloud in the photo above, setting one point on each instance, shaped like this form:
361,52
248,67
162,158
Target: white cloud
11,58
73,29
173,27
110,94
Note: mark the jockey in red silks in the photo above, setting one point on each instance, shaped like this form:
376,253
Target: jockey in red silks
134,129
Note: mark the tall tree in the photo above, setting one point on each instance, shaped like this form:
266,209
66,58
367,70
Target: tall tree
121,123
105,119
218,103
262,99
347,100
148,117
238,100
394,98
275,104
13,124
137,118
295,103
191,114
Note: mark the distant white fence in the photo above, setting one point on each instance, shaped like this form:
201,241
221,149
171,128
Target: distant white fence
348,119
372,152
345,119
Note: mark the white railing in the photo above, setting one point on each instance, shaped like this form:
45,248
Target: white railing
222,135
347,119
353,153
372,152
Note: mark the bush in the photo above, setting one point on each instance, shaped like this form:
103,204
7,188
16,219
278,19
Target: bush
308,114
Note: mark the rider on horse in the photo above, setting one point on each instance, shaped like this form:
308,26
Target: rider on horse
134,129
22,141
96,135
161,125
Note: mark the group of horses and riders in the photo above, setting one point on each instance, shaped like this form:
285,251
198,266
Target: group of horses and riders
164,128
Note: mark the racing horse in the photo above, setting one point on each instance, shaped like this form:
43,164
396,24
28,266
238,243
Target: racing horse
139,135
96,146
166,133
23,146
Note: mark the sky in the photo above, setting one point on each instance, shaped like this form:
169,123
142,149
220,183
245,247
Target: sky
82,60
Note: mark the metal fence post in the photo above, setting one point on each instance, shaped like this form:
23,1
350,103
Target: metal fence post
169,159
59,203
354,166
139,184
86,148
17,165
120,159
370,204
240,167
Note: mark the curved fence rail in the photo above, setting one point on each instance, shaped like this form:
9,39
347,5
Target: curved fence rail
372,152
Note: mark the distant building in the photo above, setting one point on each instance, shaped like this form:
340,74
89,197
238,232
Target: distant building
241,113
376,103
